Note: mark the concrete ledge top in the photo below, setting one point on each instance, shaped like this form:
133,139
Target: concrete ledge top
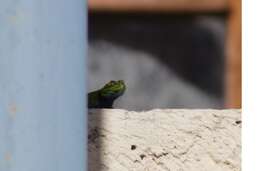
165,139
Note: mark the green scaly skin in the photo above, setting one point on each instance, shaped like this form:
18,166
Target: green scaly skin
104,97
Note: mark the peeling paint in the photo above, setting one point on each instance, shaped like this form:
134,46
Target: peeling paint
12,110
17,17
7,157
7,163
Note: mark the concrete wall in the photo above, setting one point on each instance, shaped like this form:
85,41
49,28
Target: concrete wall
170,140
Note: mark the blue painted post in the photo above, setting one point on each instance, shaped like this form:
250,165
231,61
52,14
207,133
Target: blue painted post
43,85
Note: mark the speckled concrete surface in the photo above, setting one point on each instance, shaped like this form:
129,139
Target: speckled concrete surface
165,140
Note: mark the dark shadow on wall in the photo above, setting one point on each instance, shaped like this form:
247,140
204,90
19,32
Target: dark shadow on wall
192,46
94,141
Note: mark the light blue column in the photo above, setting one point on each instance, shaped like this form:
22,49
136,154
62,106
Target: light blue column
43,85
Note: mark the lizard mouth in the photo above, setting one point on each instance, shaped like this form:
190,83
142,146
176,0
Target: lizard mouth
114,93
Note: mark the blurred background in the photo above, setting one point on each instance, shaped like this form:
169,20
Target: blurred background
170,53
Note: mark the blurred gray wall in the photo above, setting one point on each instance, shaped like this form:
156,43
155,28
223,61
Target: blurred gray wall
166,61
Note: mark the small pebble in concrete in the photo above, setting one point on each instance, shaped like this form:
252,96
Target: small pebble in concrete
133,147
142,156
238,122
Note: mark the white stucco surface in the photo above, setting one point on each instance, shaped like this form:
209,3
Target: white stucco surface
165,140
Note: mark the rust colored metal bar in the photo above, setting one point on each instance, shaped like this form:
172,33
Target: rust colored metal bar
158,5
233,59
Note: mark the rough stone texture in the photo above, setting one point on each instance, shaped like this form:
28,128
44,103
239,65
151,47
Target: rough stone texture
170,140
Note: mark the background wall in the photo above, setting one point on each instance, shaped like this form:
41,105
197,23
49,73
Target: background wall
166,60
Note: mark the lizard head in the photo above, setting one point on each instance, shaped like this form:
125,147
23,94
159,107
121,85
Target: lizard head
113,89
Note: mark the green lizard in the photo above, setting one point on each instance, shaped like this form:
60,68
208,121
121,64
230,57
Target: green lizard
104,97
